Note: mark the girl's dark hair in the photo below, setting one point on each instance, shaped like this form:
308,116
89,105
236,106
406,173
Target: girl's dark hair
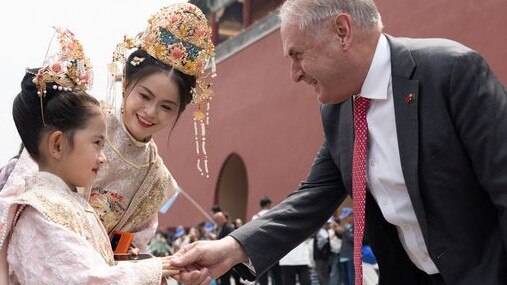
150,65
66,111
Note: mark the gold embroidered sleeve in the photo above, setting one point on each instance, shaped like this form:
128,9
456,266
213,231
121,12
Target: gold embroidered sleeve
156,196
54,212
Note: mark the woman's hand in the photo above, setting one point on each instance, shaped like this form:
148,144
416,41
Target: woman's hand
167,268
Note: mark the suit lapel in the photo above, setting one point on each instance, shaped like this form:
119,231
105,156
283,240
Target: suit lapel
406,97
346,142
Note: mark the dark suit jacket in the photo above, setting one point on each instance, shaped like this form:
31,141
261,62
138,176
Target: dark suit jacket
453,146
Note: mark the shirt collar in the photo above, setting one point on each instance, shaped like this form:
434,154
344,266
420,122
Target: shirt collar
377,80
54,179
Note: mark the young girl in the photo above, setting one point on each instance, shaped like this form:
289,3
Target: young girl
49,234
163,74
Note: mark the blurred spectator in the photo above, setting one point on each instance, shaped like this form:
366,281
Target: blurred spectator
238,223
223,228
206,230
322,253
215,209
346,253
159,246
265,204
194,234
275,271
237,279
297,263
180,239
370,275
209,227
335,240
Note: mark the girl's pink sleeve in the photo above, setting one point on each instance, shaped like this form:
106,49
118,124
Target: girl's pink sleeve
42,252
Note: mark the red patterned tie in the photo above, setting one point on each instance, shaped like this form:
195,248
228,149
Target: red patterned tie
359,181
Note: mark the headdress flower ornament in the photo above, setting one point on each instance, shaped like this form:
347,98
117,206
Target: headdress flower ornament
179,36
67,67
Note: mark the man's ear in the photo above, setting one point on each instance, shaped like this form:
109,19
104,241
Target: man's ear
342,27
56,144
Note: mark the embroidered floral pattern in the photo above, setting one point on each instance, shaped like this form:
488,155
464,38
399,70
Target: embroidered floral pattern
152,201
109,206
179,35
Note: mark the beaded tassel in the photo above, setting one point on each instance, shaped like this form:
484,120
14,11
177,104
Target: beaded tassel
200,125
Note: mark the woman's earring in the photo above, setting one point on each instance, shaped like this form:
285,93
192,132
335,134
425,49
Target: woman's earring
122,109
58,155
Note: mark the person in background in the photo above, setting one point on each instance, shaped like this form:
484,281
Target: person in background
346,253
179,239
322,254
297,264
223,229
335,241
370,275
238,223
265,204
237,278
159,246
216,208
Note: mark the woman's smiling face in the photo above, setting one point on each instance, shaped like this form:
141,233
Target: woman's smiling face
150,105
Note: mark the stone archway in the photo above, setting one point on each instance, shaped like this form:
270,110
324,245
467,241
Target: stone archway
232,188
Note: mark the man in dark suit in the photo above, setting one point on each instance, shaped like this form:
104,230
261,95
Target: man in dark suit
436,203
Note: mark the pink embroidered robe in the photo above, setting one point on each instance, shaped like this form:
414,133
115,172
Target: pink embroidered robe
55,237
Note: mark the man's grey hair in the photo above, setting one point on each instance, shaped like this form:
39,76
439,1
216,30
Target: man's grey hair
308,13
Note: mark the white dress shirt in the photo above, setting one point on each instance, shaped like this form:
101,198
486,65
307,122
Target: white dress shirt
384,174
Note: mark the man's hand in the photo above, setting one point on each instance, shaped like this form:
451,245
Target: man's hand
202,261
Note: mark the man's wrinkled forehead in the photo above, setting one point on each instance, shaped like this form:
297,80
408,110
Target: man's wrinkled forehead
288,32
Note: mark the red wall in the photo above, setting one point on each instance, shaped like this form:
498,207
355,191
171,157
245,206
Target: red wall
273,124
481,25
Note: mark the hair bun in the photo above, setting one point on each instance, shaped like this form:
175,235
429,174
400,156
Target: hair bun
27,84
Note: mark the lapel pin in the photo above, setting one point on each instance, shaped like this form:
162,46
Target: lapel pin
409,98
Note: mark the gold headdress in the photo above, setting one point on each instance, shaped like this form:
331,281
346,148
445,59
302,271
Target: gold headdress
178,36
67,68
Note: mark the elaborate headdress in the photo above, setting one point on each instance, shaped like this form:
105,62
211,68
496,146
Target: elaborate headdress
179,36
66,67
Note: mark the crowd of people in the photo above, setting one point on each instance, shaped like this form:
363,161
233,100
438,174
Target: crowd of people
326,256
166,243
414,133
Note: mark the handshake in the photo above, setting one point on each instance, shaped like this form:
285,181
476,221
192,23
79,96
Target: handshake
202,261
